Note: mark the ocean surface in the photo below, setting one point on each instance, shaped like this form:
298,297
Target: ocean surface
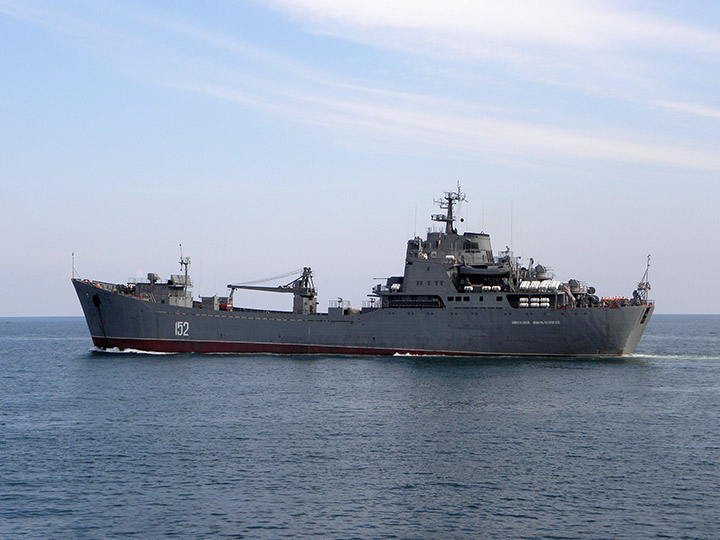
123,445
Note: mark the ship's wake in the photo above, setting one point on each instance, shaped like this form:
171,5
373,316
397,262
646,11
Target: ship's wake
116,350
675,356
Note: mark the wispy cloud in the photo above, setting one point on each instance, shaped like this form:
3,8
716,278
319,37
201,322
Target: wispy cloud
479,27
602,48
221,66
695,109
479,134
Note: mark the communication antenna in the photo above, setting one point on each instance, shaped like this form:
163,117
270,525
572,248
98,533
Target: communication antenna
511,224
447,203
184,263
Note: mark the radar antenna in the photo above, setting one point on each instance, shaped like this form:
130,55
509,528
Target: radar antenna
448,203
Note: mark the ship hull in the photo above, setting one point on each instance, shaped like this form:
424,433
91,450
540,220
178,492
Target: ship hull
124,322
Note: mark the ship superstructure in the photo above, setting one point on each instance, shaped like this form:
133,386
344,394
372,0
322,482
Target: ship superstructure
455,297
447,267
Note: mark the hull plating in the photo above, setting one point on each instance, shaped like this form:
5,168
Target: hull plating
124,322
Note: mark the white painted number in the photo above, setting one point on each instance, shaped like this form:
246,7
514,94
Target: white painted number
181,328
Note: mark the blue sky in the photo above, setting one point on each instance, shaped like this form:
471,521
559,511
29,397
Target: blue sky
267,136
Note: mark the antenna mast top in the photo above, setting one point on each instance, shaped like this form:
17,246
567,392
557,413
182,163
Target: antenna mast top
184,263
448,203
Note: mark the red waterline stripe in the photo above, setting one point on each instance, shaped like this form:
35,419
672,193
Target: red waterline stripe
177,346
170,345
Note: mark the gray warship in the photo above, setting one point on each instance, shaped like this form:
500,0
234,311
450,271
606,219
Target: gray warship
455,297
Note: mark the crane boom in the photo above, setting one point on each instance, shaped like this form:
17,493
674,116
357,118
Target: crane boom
303,289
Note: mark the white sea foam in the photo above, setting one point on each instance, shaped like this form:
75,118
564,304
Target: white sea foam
115,350
675,356
430,355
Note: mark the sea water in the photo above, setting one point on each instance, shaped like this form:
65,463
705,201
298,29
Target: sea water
102,445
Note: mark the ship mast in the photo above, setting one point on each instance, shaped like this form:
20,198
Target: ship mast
448,203
184,263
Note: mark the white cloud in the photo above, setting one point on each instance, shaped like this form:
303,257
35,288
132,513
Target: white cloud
606,49
477,27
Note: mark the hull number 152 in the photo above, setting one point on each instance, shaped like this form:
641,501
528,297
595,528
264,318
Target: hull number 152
182,328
